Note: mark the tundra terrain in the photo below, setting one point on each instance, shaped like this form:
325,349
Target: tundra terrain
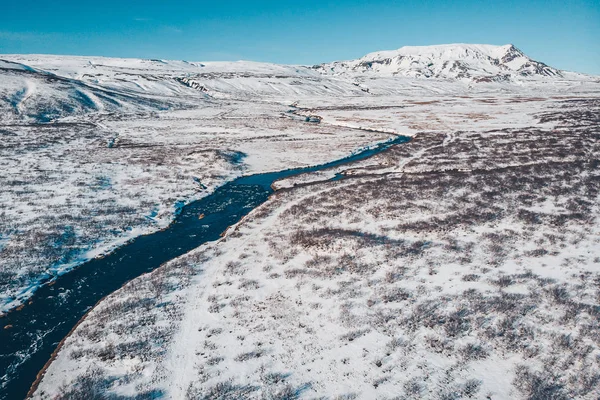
464,263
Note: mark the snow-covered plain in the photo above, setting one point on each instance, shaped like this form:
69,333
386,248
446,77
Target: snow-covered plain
465,263
91,160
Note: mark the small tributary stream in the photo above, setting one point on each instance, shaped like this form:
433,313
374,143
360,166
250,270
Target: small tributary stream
36,329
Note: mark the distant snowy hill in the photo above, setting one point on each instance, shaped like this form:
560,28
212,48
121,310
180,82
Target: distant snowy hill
475,62
34,92
42,88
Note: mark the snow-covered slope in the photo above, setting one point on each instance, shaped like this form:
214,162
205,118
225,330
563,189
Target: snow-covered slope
476,62
182,80
37,95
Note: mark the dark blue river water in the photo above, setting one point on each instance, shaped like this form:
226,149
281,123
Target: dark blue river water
37,328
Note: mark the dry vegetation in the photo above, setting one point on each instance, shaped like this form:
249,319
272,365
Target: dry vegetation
69,188
462,264
72,190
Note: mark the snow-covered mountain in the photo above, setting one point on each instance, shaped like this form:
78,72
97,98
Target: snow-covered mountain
475,62
34,91
46,87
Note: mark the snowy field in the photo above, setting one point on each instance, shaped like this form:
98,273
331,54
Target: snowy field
85,169
462,264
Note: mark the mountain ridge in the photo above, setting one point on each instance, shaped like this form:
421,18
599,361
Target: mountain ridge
459,61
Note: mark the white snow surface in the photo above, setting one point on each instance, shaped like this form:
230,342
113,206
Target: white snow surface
347,289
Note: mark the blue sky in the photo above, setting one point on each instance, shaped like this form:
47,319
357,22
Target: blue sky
563,34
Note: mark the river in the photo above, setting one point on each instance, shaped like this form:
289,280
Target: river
34,331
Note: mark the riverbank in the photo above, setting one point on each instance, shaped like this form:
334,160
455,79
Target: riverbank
221,209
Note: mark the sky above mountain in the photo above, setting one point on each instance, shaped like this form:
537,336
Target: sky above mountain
563,34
